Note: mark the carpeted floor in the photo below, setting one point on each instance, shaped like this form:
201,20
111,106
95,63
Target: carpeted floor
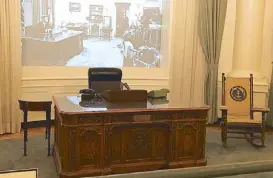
11,154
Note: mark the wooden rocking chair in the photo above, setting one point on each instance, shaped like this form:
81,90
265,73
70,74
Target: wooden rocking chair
238,112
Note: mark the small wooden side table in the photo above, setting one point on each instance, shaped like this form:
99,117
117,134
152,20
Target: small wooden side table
36,103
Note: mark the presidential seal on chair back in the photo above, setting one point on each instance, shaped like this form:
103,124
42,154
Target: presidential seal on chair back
237,111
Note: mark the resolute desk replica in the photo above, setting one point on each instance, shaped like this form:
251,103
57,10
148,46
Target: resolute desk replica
110,138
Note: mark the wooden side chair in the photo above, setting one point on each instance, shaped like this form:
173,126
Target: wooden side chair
238,112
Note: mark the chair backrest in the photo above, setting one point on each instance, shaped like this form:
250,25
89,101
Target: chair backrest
237,95
101,79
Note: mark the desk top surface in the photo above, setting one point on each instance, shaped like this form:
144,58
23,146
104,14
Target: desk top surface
73,105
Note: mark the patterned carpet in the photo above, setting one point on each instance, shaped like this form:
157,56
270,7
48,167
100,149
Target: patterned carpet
11,154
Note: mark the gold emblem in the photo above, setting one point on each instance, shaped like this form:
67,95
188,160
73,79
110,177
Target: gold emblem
238,93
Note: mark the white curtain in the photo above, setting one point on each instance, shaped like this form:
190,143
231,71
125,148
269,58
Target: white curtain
212,15
187,59
10,65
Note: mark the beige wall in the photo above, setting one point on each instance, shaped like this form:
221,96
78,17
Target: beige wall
54,80
187,66
267,51
228,40
260,89
225,62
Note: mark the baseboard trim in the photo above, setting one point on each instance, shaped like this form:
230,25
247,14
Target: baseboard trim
216,123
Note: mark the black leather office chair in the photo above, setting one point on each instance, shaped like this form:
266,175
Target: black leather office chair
101,79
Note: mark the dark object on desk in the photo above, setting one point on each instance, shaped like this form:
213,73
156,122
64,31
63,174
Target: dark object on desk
27,105
158,93
90,92
88,96
102,79
55,51
125,95
126,139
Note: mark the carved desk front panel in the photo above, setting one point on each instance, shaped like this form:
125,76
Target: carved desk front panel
121,142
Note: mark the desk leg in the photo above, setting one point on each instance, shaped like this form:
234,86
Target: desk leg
46,132
48,114
25,133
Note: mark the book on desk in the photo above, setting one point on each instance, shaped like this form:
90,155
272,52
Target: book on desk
125,95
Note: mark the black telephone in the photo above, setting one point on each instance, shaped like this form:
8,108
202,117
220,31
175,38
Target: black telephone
88,91
88,95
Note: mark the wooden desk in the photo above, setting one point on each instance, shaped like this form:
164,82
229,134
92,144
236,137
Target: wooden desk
58,50
105,139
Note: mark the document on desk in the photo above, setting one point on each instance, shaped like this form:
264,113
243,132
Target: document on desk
76,100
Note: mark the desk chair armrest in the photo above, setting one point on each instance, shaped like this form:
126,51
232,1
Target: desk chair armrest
224,111
263,110
223,108
126,86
